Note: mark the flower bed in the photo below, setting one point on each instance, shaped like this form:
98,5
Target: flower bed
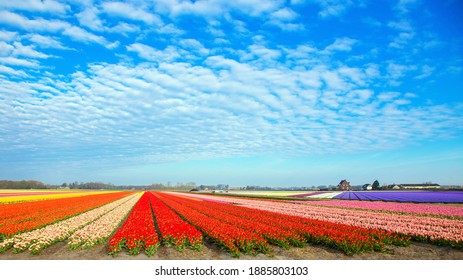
221,212
173,229
137,232
233,239
424,209
99,230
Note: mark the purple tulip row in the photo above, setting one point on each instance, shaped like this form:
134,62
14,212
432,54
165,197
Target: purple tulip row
404,196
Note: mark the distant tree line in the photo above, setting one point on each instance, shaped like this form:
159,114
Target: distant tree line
89,186
24,184
108,186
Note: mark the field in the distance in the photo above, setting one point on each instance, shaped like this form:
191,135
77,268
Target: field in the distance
168,225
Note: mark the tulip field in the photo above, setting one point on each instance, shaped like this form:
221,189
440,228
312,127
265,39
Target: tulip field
134,223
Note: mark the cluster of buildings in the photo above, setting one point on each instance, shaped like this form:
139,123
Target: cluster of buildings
344,185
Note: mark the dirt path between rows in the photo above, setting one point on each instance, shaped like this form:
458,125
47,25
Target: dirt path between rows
416,251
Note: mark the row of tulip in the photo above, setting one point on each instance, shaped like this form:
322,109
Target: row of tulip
325,195
26,216
422,209
137,232
99,230
41,238
441,231
285,230
235,240
173,229
222,212
27,197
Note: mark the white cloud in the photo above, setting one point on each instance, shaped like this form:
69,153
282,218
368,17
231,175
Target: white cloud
217,8
89,18
6,49
396,71
18,62
124,10
255,7
272,12
46,42
44,6
195,46
355,75
402,40
403,6
332,8
426,71
82,35
283,18
341,44
170,29
360,96
8,36
334,81
301,52
284,14
402,25
27,51
175,7
55,26
262,53
216,32
124,28
388,96
297,2
113,45
39,24
152,54
239,26
10,71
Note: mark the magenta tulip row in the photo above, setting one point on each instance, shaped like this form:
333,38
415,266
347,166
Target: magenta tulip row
443,210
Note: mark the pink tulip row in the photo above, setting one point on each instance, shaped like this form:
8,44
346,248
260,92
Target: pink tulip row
99,230
41,238
443,210
430,228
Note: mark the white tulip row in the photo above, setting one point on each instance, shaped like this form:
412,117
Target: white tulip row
102,228
325,195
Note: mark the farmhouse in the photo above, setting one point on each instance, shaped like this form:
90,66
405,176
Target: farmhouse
344,185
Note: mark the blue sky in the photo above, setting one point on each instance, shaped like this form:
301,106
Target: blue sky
277,93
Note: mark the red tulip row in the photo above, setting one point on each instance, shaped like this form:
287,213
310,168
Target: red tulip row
349,239
362,239
232,238
173,229
138,231
272,234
